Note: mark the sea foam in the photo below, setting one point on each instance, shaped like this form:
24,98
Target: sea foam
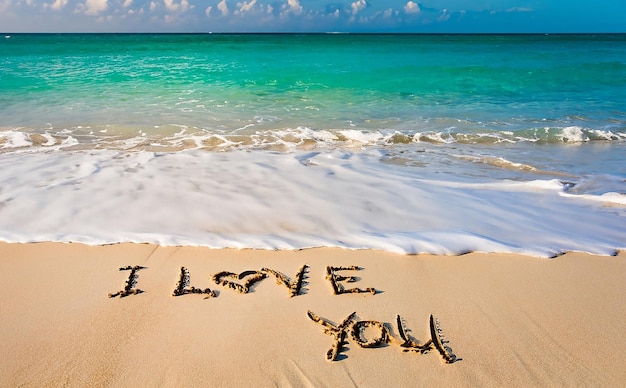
294,200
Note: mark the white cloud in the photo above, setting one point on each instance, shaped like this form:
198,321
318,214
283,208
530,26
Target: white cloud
175,7
223,7
245,6
92,7
170,5
5,5
292,6
255,15
358,6
445,15
412,8
57,5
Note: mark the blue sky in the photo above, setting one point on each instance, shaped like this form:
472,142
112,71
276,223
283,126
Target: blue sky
312,16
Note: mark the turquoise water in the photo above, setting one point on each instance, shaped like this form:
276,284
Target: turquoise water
459,84
459,111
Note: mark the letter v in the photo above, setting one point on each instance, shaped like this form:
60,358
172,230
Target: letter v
295,285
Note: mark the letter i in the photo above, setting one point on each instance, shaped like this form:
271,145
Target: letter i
131,282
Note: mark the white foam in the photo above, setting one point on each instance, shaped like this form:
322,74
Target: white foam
573,134
608,199
14,139
293,200
498,162
434,137
50,140
361,136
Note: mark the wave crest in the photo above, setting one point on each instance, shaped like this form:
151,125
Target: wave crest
179,137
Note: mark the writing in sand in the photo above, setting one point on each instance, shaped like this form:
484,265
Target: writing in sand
364,333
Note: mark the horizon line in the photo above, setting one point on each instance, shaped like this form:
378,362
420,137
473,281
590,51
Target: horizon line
8,33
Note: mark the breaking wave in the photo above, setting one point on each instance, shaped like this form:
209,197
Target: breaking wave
180,137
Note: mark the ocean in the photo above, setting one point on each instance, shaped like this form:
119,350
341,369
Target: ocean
441,144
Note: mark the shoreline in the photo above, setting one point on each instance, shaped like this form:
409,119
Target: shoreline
508,319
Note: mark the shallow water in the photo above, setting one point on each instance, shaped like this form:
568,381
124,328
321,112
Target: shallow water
409,143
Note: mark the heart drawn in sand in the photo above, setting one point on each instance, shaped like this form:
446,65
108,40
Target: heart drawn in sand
238,282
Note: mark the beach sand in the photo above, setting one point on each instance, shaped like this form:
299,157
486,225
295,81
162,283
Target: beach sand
508,319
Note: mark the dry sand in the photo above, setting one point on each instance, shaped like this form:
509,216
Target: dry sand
509,319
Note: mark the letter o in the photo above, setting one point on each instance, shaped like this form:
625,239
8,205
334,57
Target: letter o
358,336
